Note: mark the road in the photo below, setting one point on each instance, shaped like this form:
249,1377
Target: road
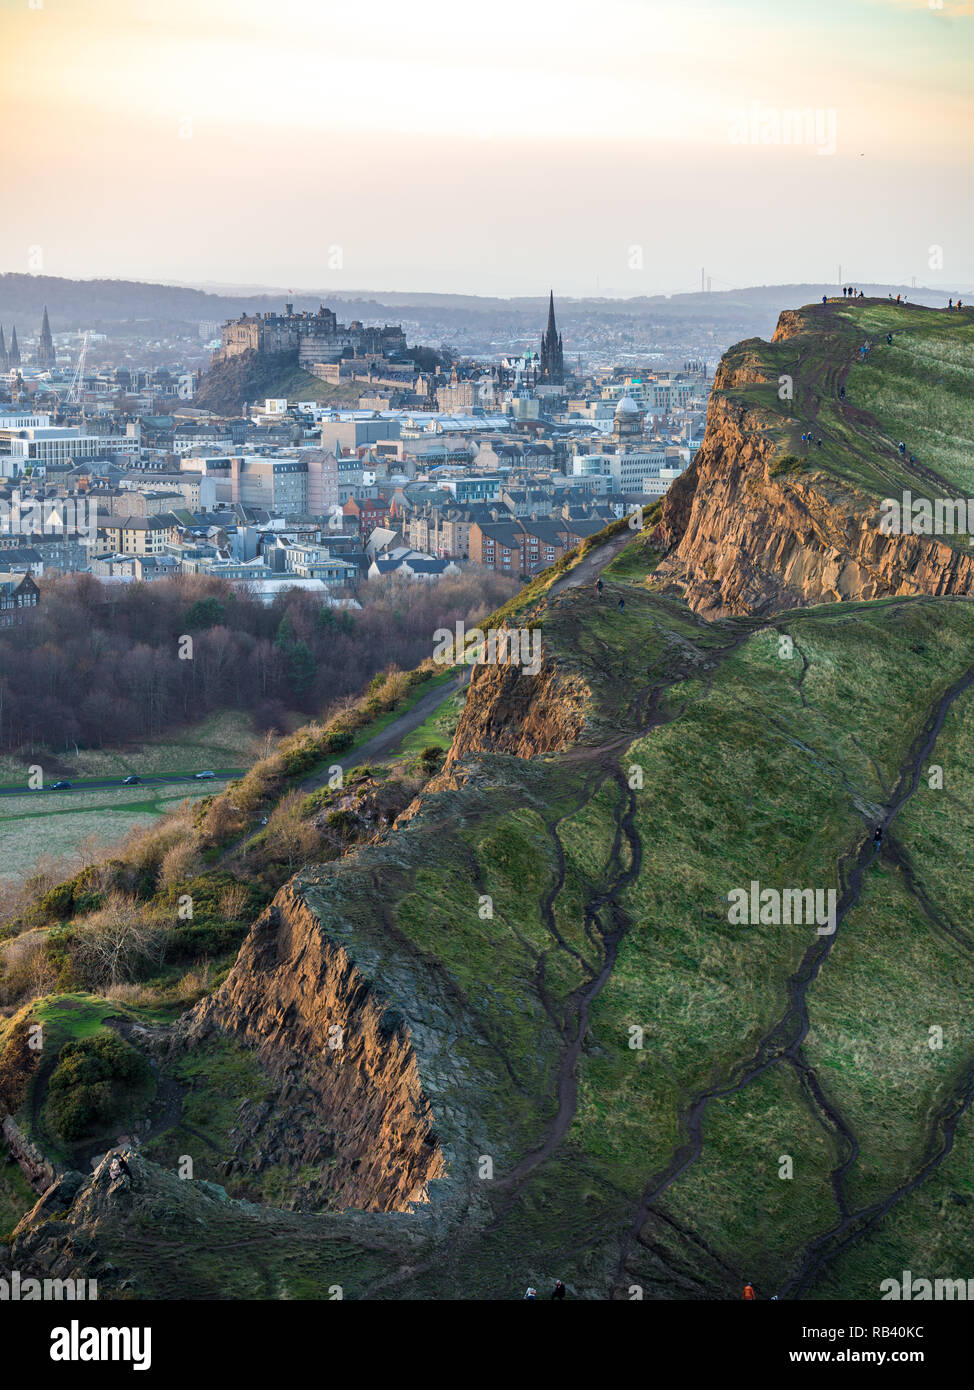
120,782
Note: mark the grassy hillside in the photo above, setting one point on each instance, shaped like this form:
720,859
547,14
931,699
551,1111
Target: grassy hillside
917,390
712,758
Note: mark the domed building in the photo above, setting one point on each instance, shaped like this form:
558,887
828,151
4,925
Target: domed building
628,424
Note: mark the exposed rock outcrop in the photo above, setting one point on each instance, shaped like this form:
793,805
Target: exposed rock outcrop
344,1057
39,1171
748,537
509,710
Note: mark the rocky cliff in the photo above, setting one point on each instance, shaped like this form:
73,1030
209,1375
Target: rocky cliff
763,522
351,1104
512,711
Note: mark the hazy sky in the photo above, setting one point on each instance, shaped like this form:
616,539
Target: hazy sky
495,148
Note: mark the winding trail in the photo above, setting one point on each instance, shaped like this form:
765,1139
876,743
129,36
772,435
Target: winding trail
784,1041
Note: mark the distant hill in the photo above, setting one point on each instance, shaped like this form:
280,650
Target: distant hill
229,385
74,304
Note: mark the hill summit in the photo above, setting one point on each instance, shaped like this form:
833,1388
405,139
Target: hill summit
850,404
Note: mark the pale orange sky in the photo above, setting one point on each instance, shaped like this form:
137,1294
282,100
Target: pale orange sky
491,149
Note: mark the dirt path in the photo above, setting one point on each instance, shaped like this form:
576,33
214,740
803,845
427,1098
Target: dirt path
783,1044
588,570
389,738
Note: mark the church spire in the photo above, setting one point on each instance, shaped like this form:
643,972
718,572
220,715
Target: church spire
46,356
552,354
14,349
3,351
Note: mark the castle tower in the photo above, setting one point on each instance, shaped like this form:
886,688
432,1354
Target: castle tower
46,356
14,353
552,362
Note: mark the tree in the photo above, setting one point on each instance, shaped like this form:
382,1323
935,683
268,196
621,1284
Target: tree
302,668
116,939
204,613
285,634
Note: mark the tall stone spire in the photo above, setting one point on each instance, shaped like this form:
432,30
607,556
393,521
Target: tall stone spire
14,354
4,361
552,354
46,356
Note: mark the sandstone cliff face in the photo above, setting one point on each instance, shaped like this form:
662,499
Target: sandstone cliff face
510,711
351,1089
743,541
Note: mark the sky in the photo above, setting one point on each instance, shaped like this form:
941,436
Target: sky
500,148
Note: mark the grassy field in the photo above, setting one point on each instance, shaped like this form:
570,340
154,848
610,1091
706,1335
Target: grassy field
225,740
58,825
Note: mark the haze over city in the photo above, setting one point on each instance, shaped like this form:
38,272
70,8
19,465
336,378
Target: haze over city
488,150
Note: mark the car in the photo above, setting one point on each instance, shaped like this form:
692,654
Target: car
61,786
204,774
131,781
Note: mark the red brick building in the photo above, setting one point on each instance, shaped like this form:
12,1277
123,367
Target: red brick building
369,512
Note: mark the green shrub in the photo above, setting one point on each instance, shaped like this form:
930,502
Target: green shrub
92,1083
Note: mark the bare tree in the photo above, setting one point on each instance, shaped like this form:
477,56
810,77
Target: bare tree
117,938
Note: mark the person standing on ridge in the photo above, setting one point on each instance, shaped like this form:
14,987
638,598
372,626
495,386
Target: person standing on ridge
749,1295
599,586
559,1290
622,604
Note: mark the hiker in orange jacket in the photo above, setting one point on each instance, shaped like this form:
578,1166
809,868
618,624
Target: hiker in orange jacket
748,1293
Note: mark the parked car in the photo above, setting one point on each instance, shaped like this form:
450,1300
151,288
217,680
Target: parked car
131,781
61,786
204,774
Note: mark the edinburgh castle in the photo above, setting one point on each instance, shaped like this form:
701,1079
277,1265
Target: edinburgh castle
316,337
